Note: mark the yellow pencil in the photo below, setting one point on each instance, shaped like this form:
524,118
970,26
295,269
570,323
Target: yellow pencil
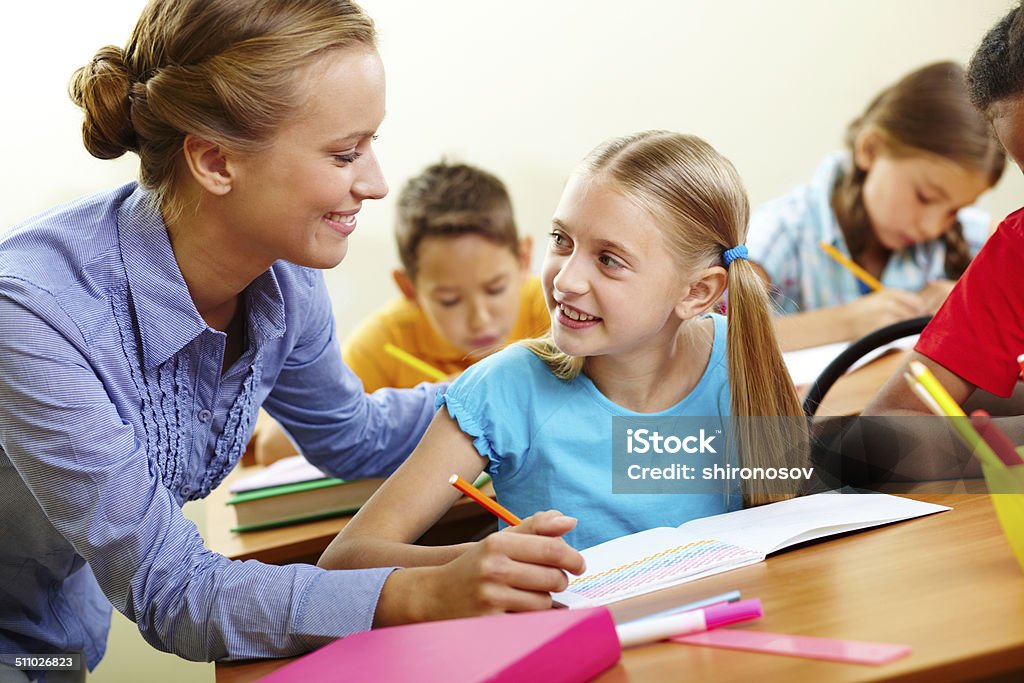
858,272
951,409
414,362
923,394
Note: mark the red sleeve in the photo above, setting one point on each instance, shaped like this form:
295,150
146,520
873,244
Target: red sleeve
979,331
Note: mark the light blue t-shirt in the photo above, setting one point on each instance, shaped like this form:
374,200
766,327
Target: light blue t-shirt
548,443
785,234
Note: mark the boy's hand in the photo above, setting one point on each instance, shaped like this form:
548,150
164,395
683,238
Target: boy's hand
514,570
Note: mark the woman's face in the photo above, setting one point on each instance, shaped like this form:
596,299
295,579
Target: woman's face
297,200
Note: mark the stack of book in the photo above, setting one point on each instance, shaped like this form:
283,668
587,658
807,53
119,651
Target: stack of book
291,491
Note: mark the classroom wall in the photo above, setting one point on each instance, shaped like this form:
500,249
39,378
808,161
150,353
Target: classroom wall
524,89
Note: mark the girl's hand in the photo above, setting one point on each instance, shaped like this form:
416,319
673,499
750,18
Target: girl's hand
514,570
934,294
881,308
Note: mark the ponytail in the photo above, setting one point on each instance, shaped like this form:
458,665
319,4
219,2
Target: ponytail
761,387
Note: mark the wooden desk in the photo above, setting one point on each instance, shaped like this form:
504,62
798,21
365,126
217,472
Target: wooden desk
854,390
305,542
947,585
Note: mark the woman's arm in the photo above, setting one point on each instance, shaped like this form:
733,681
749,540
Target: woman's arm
90,474
320,402
512,571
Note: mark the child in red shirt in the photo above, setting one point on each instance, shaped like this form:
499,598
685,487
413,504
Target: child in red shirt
976,336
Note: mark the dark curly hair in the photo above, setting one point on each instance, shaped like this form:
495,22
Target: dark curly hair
996,71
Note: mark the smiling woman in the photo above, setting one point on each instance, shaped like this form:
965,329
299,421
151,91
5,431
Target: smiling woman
296,199
161,314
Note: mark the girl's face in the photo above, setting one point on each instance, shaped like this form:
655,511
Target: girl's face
468,288
915,198
297,200
610,281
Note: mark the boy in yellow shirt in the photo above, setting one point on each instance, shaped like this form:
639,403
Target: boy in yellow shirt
465,283
465,287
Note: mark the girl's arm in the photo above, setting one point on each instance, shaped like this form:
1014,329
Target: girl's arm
408,504
848,321
514,570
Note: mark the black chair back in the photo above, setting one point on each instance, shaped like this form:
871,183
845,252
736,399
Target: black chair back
869,342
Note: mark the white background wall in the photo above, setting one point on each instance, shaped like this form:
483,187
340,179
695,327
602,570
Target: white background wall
525,89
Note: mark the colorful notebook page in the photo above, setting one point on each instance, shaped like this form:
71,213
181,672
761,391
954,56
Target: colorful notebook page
689,560
665,556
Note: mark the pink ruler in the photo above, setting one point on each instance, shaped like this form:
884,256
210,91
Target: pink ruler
850,651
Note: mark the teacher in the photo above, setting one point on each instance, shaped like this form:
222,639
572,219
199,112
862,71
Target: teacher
143,327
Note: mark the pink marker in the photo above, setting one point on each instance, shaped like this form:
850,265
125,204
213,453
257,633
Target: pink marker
659,628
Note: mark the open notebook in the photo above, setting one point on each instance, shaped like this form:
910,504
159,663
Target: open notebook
665,556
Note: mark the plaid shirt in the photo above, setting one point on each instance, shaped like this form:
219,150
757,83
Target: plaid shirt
785,233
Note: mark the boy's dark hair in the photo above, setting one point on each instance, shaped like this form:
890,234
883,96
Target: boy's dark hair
448,200
996,70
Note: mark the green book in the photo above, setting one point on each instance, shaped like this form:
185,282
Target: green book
304,501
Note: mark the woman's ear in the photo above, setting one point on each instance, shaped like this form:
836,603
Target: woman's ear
866,148
405,284
208,164
704,291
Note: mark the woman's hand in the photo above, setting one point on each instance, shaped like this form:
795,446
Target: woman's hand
884,307
514,570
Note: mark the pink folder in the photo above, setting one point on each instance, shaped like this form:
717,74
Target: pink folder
553,645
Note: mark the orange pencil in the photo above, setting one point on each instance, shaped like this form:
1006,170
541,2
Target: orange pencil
471,491
858,272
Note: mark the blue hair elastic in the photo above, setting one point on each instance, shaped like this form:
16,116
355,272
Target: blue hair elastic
730,255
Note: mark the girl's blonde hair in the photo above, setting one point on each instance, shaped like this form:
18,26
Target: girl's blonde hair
928,111
224,70
697,197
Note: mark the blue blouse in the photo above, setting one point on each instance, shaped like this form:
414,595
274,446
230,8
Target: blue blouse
114,412
548,442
